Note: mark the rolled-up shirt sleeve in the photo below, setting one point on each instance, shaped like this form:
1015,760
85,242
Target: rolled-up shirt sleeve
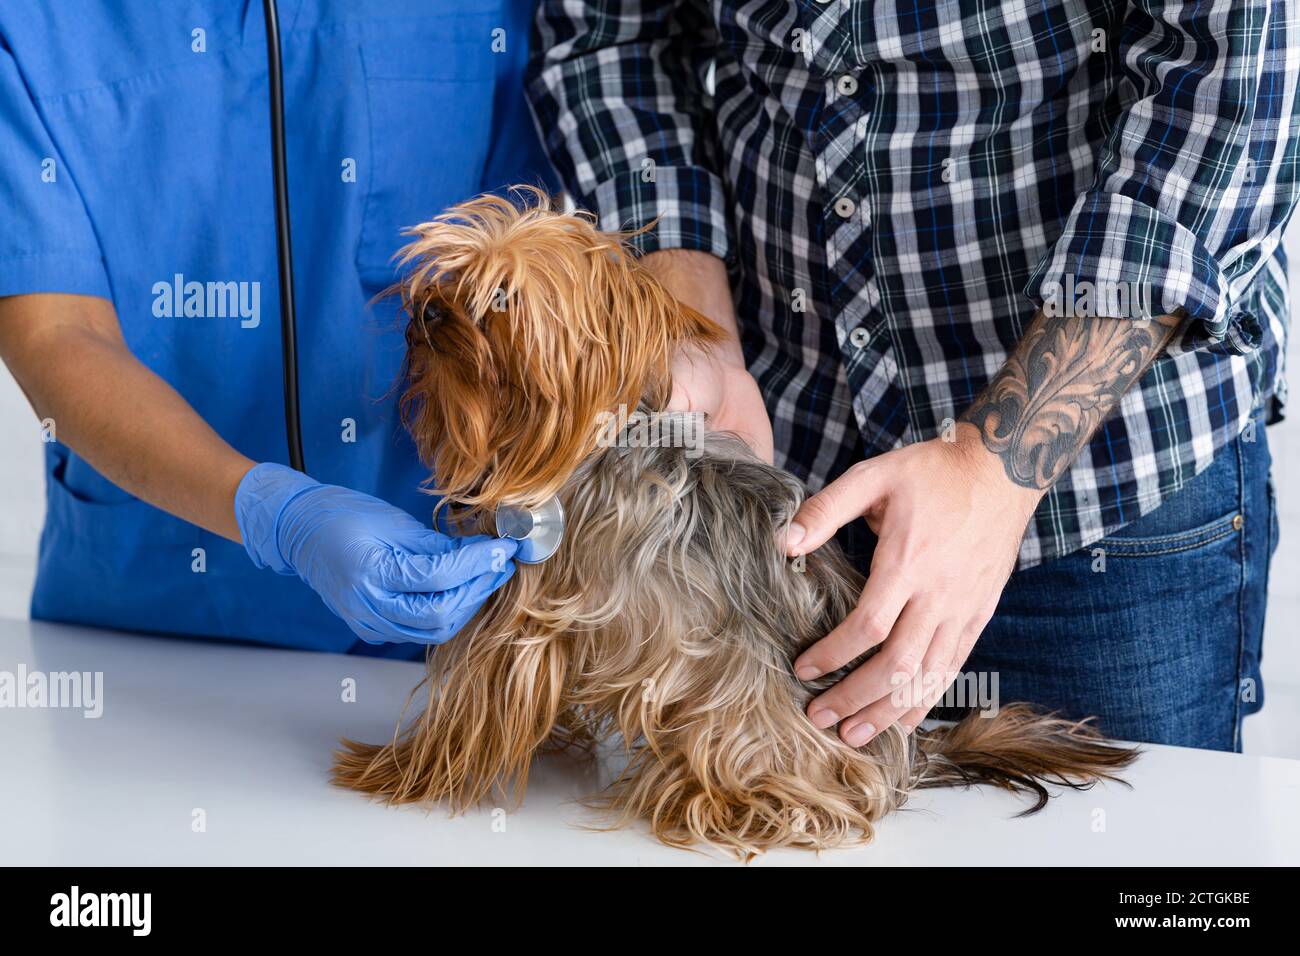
1198,177
47,242
618,91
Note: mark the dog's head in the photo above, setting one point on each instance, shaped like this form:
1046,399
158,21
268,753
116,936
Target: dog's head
526,324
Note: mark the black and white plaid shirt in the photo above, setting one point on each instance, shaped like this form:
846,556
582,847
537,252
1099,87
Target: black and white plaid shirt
897,184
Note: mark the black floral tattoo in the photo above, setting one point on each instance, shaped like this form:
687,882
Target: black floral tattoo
1066,375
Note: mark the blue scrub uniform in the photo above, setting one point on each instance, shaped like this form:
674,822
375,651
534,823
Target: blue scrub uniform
135,165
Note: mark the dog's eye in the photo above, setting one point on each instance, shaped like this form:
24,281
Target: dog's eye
429,317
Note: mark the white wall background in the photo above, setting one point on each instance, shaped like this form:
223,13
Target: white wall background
22,497
1274,731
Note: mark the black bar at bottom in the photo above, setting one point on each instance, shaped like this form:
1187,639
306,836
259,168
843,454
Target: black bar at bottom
740,905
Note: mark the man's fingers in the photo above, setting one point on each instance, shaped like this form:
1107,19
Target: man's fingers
742,411
908,686
897,662
844,499
760,440
908,704
680,399
867,625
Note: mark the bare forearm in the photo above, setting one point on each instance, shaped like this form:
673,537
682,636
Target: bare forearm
68,356
1062,381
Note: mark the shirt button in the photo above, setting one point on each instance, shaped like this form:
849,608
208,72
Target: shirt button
844,207
846,85
859,337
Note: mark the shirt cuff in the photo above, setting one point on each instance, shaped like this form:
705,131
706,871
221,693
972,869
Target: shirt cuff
1120,258
687,200
54,272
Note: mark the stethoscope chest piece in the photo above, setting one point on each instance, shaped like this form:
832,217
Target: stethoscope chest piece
538,530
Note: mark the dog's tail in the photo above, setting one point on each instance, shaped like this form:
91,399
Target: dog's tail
1018,749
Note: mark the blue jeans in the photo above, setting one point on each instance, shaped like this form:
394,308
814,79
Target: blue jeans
1163,645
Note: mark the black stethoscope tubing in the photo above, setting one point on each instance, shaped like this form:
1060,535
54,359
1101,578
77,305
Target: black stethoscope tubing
283,240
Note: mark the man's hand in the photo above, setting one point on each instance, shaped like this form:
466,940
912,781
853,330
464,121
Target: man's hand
949,517
712,380
949,524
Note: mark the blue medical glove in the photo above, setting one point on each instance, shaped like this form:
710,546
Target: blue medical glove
385,574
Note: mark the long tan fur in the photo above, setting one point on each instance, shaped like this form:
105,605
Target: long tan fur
669,617
527,324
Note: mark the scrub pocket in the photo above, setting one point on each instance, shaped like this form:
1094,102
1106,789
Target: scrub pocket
429,91
112,560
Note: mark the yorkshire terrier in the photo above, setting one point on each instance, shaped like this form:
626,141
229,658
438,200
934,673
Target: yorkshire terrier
668,620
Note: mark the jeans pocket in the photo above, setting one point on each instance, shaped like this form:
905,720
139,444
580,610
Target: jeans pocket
1220,529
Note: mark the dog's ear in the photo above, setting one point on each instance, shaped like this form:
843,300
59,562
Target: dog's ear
525,325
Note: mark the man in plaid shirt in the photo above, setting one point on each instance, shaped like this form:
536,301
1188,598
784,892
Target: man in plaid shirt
1008,276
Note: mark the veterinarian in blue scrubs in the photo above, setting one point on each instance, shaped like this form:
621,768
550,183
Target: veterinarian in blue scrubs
135,179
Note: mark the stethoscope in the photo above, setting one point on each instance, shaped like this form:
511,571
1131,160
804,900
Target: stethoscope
538,530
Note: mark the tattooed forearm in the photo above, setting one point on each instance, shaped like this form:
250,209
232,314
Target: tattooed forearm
1063,379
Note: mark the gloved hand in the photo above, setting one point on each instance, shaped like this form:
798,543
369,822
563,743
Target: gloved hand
385,574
